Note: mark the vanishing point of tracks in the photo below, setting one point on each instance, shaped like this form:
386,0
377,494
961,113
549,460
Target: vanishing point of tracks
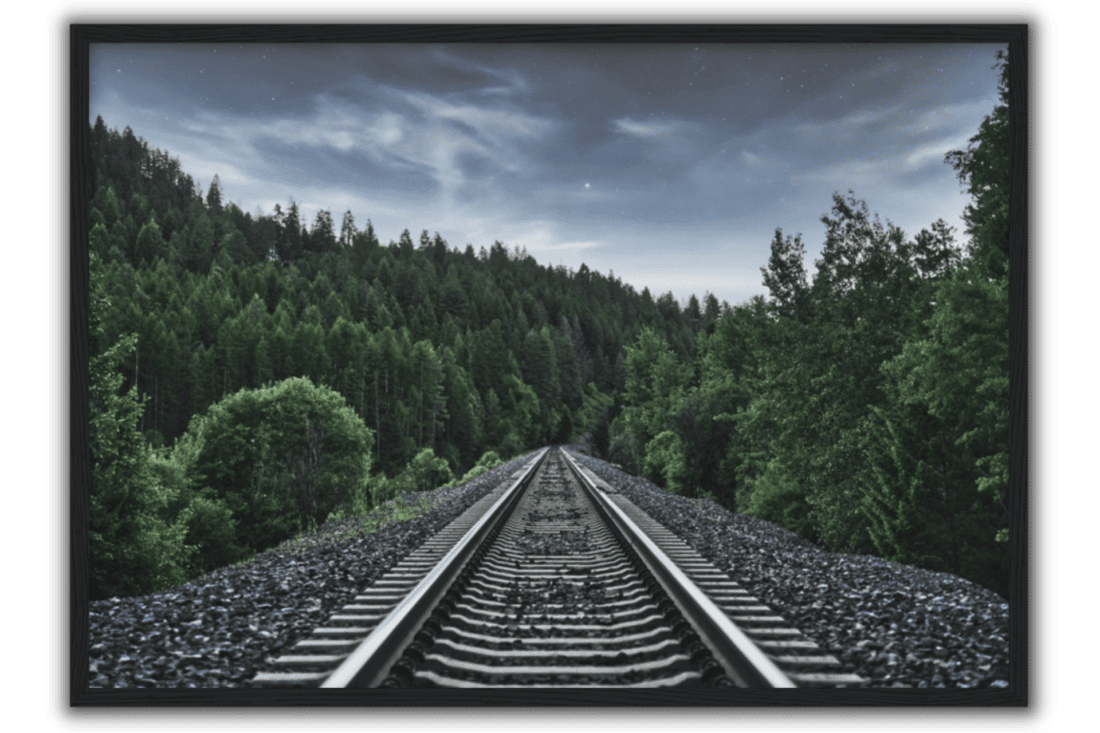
555,580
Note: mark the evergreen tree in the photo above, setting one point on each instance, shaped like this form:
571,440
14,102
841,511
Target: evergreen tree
405,245
322,238
214,196
452,298
291,245
693,314
196,251
347,230
463,414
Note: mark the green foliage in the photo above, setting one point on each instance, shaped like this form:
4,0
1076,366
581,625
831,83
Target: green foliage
282,458
984,169
949,483
654,386
594,418
625,447
212,531
960,372
135,545
778,498
664,461
427,472
864,409
430,346
488,461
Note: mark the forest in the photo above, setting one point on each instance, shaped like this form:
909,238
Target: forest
252,374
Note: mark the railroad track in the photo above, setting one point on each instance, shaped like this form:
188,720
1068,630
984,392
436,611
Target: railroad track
555,580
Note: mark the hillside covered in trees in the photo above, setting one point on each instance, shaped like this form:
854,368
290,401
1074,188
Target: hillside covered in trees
865,407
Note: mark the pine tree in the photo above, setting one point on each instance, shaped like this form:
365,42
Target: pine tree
347,230
291,238
214,196
322,238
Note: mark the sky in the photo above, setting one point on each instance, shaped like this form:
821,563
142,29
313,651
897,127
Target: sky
670,165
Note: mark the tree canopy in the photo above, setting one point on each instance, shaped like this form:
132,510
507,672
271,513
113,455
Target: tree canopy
251,375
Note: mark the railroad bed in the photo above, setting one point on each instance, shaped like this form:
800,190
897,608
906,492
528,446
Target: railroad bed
555,580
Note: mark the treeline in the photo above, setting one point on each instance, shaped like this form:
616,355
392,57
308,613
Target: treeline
865,408
434,347
443,355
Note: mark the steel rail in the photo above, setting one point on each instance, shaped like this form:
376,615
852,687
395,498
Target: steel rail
741,659
368,665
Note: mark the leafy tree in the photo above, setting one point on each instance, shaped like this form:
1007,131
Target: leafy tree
655,380
426,471
212,531
664,461
984,169
785,276
281,458
594,419
134,547
956,381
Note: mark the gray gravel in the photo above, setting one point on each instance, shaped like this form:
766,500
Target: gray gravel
222,628
897,625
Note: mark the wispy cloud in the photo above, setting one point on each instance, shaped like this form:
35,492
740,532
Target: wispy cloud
645,130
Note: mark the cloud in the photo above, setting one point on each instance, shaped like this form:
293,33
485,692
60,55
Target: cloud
643,130
752,159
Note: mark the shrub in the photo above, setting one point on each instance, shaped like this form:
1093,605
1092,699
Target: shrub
281,458
664,461
213,533
776,497
426,472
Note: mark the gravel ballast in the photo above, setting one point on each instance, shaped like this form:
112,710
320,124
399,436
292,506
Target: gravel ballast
220,629
896,625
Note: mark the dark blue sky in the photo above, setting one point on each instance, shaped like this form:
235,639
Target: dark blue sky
670,164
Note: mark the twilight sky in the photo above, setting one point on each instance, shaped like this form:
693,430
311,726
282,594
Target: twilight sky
670,164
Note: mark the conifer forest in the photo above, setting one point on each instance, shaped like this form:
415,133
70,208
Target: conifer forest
254,374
